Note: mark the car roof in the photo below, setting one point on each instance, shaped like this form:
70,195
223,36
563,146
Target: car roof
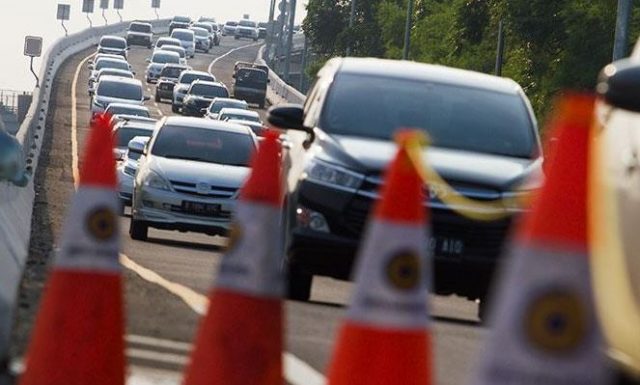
408,70
218,99
129,106
182,30
141,22
109,59
198,29
245,122
175,65
134,122
165,52
112,37
181,121
167,38
120,79
208,83
172,48
238,111
109,56
115,72
196,25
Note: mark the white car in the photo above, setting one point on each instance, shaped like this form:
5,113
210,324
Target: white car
187,39
114,45
140,33
157,62
166,41
117,110
103,63
219,103
184,82
113,89
229,28
238,114
257,127
107,72
128,166
203,39
247,29
179,50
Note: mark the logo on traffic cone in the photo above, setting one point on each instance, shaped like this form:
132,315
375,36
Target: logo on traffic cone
78,335
544,325
240,338
385,338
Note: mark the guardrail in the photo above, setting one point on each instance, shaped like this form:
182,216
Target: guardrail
16,204
279,91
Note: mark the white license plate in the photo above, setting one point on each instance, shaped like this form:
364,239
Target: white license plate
443,246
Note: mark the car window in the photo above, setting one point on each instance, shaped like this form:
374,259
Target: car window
204,26
200,32
120,90
454,116
251,77
182,35
188,78
247,23
136,27
182,19
125,134
162,43
113,43
163,58
122,110
108,72
208,90
205,145
178,50
230,116
171,72
217,106
107,63
231,23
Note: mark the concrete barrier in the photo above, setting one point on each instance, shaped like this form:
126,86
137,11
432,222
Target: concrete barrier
16,204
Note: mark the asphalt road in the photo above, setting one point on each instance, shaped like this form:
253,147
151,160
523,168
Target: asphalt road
167,275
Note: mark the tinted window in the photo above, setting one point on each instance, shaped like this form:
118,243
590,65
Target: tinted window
162,43
200,32
113,43
107,72
231,23
217,106
263,25
205,145
188,78
119,90
455,117
106,63
175,49
146,28
205,26
182,19
122,110
125,134
251,77
163,58
171,72
182,35
209,91
247,23
240,117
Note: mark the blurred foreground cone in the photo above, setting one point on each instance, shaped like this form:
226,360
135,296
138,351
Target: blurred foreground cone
78,335
385,338
544,325
240,338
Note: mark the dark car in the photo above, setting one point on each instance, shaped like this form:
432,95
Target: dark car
179,22
200,95
485,145
140,33
250,84
167,80
262,30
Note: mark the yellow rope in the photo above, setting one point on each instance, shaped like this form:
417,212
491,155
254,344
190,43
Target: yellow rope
494,210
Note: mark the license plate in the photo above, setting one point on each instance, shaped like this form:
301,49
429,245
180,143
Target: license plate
198,208
441,246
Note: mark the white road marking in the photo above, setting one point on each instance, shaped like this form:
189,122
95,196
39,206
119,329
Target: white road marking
74,121
296,371
160,112
158,342
210,69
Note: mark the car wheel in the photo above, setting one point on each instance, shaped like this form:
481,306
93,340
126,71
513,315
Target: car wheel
158,98
299,285
261,105
138,230
174,108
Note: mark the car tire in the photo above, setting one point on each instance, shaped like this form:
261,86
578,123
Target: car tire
174,108
158,98
261,105
138,230
299,284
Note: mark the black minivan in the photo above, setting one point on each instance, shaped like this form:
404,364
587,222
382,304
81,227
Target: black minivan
485,145
250,85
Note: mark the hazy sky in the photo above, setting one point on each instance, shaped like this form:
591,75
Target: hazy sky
19,18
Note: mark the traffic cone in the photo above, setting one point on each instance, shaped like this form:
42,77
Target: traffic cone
240,338
78,335
385,338
544,325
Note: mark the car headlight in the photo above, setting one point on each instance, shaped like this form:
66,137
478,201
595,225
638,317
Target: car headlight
328,173
153,180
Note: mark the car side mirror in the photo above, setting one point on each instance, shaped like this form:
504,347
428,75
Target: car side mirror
147,98
290,117
619,84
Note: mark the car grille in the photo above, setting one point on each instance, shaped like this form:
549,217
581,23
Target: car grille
212,192
481,239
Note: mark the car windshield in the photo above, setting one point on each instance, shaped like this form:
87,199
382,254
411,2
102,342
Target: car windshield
231,23
136,27
110,42
125,134
217,106
162,58
231,116
208,91
180,51
124,110
120,90
182,19
204,26
454,116
204,145
251,77
183,35
189,78
115,72
200,32
247,23
170,42
107,63
263,25
171,72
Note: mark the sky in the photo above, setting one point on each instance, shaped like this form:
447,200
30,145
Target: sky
19,18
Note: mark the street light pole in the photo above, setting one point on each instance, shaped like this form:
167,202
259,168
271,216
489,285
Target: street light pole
407,31
352,18
500,50
292,21
272,10
622,29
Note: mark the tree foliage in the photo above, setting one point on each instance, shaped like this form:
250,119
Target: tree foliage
551,45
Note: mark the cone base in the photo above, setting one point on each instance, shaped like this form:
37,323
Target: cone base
366,356
239,342
78,336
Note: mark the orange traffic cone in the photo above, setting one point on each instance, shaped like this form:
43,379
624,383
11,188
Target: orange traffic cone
240,338
544,325
78,336
385,338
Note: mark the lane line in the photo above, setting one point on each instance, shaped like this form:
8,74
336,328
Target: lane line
158,342
74,121
210,69
160,112
296,371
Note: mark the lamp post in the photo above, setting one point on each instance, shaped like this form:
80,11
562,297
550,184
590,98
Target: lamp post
407,31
